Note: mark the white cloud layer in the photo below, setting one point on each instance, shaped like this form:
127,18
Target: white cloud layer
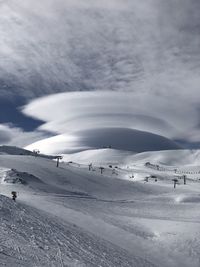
11,135
150,49
75,116
65,45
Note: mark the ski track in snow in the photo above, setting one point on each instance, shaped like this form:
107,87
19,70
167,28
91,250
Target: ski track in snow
70,216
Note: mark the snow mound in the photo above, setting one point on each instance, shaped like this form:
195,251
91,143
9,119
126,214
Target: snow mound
168,157
98,156
195,198
12,176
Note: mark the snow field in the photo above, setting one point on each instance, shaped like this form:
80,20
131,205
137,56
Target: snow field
118,218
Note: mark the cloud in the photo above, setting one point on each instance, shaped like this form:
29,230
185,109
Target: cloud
116,138
11,135
77,111
79,116
148,49
5,134
55,45
62,143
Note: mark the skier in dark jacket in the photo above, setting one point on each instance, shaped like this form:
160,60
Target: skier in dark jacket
14,195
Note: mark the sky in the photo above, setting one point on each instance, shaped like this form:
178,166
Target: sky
141,56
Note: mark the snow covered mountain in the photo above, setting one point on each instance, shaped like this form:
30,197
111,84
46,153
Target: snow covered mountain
128,215
180,157
12,150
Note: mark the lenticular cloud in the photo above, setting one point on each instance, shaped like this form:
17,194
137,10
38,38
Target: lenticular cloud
115,118
80,111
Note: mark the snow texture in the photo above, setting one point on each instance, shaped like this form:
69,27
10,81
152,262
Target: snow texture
130,215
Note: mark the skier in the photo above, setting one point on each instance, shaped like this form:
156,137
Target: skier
14,195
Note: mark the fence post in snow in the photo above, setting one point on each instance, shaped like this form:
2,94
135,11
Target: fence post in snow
184,178
101,169
90,166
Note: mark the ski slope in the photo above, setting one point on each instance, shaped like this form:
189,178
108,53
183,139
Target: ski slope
73,216
98,156
170,157
166,157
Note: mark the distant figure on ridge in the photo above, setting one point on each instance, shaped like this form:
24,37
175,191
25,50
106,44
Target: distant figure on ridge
14,195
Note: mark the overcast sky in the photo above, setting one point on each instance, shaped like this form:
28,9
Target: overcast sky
148,49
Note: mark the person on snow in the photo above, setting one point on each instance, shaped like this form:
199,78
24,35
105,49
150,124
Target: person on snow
14,195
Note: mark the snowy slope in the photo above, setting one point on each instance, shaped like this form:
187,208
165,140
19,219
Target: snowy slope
111,219
13,150
32,238
98,156
169,157
113,156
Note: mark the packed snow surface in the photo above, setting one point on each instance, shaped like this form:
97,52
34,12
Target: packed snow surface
101,208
